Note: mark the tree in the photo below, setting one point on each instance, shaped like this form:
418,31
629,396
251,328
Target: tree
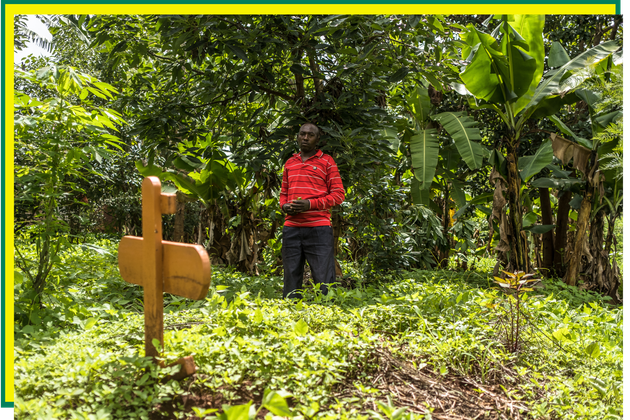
242,85
506,75
57,135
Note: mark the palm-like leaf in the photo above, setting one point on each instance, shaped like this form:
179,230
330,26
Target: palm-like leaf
551,85
424,156
465,134
531,165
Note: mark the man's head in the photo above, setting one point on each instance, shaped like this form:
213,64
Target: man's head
308,138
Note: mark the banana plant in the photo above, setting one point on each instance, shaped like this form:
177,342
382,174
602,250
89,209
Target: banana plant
504,73
430,155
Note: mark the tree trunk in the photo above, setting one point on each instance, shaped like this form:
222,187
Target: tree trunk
444,251
573,268
519,260
547,237
180,216
562,223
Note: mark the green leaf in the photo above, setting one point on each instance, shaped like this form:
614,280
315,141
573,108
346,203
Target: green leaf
458,193
481,76
561,334
556,183
258,316
551,85
539,229
300,328
592,350
557,55
465,134
562,126
149,170
237,51
399,75
239,412
89,323
418,195
276,403
18,277
96,92
419,102
530,27
531,165
529,219
424,156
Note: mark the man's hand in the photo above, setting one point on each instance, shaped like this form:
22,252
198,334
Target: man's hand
296,206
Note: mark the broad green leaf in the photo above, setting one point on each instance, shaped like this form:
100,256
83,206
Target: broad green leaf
419,103
458,193
592,350
418,195
529,219
465,134
18,277
424,156
398,75
276,403
556,183
258,316
561,334
562,126
90,322
238,51
601,122
238,412
557,55
487,63
551,85
552,104
530,27
149,170
96,92
531,165
300,328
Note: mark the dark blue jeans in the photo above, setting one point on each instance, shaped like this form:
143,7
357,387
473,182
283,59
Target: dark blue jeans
315,244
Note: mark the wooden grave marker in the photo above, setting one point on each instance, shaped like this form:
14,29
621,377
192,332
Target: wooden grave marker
162,266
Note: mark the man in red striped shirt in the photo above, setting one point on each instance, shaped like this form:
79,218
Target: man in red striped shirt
311,186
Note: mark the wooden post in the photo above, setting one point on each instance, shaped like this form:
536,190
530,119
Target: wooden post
152,265
162,266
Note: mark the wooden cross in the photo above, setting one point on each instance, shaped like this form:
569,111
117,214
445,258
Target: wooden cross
161,266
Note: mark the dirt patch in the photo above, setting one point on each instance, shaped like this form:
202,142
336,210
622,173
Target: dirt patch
203,399
446,397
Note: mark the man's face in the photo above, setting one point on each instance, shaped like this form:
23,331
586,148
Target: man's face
308,137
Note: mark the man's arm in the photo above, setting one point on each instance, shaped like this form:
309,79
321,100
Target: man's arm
336,193
284,189
285,206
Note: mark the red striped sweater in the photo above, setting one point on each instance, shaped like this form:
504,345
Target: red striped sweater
316,180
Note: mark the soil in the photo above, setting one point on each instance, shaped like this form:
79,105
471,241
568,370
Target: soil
447,397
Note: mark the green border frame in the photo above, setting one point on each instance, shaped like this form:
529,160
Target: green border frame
6,213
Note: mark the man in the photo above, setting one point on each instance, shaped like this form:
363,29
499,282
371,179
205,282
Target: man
311,185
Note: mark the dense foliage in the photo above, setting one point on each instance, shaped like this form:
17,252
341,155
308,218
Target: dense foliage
336,355
470,147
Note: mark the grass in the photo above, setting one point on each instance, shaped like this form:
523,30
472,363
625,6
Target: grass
423,343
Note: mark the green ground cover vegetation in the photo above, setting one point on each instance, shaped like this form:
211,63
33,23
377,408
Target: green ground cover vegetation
473,149
81,358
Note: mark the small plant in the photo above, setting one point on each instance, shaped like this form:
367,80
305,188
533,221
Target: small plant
513,319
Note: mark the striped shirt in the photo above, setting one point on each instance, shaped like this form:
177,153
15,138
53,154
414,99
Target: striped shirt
316,180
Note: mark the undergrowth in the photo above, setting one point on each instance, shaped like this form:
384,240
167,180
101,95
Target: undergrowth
401,349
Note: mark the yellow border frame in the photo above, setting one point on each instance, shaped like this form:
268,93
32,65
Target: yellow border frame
12,9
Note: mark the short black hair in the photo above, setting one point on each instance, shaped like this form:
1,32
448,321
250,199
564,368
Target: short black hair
319,130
